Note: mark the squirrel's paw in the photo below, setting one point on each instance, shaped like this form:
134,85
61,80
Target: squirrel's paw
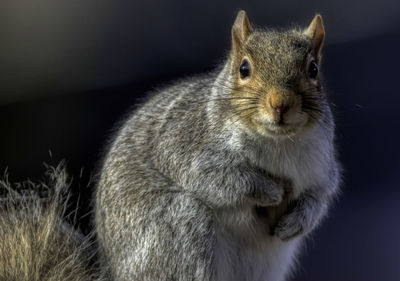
304,216
267,193
298,222
289,226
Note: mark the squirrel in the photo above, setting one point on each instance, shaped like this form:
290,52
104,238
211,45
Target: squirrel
222,176
216,177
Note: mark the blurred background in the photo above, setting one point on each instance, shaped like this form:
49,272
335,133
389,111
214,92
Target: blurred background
71,69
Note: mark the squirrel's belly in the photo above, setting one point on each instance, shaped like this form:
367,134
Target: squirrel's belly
272,261
246,253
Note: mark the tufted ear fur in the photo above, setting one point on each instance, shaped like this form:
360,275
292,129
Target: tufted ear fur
316,32
241,29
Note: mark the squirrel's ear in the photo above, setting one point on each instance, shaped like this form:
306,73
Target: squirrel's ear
241,29
316,32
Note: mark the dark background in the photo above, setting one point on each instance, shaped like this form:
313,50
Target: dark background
70,69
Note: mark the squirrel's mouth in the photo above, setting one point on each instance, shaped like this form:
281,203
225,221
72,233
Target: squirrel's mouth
280,129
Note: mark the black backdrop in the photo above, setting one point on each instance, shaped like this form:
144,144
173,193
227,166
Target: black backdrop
70,70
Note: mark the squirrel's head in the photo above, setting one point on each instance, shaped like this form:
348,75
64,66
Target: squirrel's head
274,77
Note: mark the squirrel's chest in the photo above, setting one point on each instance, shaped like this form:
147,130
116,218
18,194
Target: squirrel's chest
305,165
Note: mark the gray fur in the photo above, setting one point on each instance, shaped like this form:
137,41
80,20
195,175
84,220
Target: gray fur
188,191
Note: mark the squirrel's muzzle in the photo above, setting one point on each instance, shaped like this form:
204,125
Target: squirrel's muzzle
278,104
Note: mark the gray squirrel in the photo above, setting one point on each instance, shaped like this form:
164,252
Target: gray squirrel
216,177
221,177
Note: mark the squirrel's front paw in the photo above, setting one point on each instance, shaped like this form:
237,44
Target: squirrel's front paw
301,218
289,226
268,192
271,196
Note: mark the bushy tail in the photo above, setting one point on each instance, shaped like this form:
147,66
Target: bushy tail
35,243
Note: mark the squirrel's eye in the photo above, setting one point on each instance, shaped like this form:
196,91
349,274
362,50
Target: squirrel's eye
313,70
244,69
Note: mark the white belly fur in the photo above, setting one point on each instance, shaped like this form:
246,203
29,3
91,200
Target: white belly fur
246,252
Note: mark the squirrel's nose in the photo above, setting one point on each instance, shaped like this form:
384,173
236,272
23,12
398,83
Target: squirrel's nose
278,102
281,108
